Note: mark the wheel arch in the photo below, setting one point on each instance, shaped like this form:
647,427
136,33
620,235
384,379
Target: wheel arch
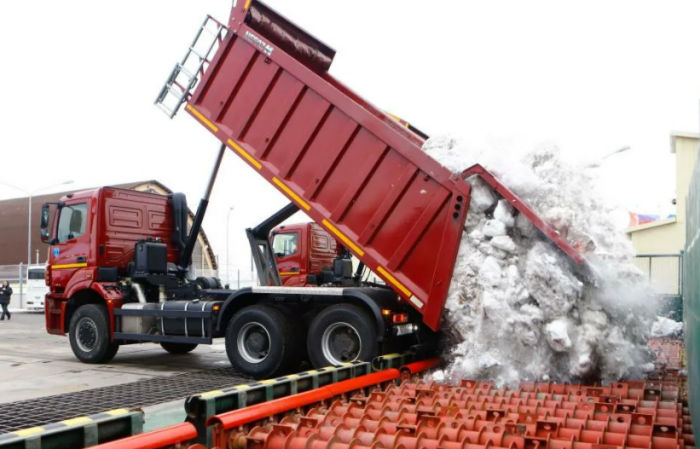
80,298
371,303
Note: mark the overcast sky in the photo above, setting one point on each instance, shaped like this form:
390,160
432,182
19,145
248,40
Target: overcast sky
79,77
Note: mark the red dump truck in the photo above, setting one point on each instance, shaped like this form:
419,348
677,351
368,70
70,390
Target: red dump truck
119,260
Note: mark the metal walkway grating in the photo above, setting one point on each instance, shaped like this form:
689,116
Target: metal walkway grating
142,393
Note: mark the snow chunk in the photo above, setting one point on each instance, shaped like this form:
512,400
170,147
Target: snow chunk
494,228
504,243
504,213
558,335
664,327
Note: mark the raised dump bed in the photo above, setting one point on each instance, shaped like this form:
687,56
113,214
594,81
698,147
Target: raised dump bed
266,93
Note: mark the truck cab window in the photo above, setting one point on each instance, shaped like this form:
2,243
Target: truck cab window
285,244
72,222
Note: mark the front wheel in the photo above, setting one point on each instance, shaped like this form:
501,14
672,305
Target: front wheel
340,334
178,348
90,333
259,342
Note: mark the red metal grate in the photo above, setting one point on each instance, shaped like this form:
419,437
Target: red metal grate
476,415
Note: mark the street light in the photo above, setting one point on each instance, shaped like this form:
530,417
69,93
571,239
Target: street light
228,262
29,228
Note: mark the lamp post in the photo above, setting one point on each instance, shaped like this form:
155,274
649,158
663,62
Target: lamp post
228,264
30,194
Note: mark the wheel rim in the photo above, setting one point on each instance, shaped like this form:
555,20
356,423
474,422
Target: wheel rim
254,343
341,343
87,334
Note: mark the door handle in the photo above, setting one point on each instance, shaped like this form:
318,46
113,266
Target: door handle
81,259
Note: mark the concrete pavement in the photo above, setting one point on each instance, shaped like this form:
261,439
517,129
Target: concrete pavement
35,364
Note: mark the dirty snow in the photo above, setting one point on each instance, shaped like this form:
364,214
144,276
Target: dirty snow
664,327
517,310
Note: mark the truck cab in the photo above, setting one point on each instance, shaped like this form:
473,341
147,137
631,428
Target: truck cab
302,251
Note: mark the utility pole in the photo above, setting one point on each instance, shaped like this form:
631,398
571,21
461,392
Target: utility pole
228,260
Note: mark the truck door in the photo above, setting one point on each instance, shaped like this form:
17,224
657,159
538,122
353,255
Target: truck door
70,249
287,249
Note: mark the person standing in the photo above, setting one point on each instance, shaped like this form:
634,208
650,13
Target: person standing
5,295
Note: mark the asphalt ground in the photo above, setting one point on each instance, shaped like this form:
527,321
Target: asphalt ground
34,364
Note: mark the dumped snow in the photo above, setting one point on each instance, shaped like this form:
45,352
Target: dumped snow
517,309
664,327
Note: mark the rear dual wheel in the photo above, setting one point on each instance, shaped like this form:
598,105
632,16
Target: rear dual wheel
340,334
260,342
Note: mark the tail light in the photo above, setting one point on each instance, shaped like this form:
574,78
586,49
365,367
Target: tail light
399,318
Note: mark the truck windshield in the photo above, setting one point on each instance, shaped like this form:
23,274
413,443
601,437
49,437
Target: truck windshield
285,244
36,274
71,223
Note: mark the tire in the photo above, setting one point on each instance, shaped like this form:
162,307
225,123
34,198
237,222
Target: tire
89,335
179,348
342,333
260,342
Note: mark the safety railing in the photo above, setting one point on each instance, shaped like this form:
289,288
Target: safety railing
202,407
80,432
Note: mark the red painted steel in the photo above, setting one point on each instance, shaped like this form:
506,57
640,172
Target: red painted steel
477,415
170,437
350,167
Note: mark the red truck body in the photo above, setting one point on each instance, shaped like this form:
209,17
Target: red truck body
301,250
346,164
105,239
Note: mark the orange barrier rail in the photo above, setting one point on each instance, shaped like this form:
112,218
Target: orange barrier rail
225,423
169,437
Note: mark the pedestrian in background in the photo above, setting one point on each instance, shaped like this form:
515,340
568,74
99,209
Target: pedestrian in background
5,294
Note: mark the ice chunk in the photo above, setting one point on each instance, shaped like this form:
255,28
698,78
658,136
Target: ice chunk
504,243
558,335
664,327
482,197
494,228
504,213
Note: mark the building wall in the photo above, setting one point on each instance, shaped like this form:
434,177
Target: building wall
668,236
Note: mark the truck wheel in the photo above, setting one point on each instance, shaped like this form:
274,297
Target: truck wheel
89,335
342,333
259,342
178,348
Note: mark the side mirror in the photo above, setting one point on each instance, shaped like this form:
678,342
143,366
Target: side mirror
45,218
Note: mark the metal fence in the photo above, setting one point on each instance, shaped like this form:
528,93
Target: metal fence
664,271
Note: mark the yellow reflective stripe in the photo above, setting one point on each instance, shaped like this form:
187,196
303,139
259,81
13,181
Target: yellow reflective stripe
268,381
245,154
209,394
313,371
117,412
292,376
342,237
29,432
77,421
291,194
393,280
390,356
288,273
247,4
70,265
204,120
241,387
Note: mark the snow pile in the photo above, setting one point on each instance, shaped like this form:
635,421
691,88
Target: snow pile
664,327
516,309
